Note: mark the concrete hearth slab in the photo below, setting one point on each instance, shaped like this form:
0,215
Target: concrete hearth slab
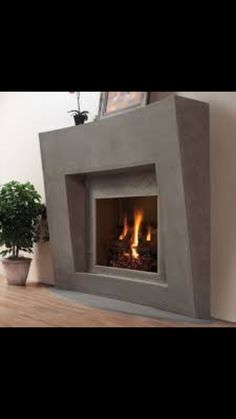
114,305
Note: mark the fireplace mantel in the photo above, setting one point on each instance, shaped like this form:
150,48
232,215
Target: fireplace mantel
171,137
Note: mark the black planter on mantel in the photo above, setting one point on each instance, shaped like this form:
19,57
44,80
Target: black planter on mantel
79,117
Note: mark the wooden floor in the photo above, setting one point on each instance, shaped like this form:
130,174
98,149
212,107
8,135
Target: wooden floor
37,306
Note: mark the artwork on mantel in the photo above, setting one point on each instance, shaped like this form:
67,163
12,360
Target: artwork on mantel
112,103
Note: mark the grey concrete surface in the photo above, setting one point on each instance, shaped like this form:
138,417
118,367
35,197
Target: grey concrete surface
173,137
119,306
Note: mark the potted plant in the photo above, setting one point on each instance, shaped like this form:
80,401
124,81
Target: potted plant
79,117
44,230
20,211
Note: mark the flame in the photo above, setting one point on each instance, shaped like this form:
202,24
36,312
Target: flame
125,230
149,234
138,218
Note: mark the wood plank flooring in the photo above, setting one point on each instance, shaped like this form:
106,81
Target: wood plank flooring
37,306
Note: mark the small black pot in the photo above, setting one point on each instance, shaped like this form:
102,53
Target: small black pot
79,120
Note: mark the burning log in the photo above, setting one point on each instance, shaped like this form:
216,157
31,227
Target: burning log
134,247
120,253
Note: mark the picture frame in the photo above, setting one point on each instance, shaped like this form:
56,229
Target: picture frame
114,103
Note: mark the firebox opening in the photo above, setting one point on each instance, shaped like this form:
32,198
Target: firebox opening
127,233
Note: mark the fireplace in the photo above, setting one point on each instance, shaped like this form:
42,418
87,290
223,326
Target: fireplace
123,230
128,201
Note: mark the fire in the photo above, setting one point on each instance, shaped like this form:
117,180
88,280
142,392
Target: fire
133,245
138,218
125,230
149,234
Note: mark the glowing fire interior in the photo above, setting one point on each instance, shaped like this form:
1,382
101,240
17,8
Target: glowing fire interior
128,238
138,219
125,230
149,234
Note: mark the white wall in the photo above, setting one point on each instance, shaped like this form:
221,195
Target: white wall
23,115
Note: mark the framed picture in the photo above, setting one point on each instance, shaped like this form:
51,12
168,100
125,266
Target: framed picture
112,103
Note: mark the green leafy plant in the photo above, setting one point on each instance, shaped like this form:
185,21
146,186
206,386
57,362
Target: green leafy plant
44,230
20,213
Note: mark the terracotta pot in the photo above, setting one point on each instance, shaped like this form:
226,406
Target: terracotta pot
16,271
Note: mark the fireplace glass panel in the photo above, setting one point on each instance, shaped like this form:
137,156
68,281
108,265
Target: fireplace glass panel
127,233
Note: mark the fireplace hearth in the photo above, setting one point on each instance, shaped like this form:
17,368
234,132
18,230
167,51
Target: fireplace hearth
128,200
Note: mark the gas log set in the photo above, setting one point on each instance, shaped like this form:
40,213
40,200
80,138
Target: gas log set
134,245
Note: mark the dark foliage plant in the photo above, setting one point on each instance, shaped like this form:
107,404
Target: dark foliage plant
44,229
20,214
79,117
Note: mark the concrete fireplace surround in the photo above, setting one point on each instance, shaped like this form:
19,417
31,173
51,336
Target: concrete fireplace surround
160,149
